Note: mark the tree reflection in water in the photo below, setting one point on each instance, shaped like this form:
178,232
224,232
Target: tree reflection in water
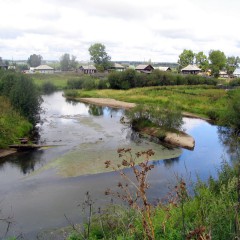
95,110
24,161
231,141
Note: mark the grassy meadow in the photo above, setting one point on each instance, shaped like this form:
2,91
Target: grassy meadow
57,79
202,100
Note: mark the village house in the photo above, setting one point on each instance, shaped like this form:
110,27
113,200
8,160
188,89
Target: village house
44,69
223,74
3,66
90,69
144,68
191,69
164,69
236,73
117,67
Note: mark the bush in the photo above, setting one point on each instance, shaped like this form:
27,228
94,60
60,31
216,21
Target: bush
48,87
22,93
167,117
131,79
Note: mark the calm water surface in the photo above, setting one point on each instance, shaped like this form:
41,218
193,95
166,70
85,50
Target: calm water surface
38,188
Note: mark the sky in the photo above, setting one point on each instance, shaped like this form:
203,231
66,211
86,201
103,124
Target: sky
131,30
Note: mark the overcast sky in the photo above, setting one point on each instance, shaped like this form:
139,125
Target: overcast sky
130,29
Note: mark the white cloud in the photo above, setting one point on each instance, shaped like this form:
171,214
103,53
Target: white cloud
131,30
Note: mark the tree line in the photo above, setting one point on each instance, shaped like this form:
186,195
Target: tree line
215,61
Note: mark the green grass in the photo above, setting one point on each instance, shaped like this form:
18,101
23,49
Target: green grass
57,79
12,125
194,99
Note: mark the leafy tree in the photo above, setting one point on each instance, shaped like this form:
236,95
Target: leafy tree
34,60
73,62
67,63
186,58
217,61
99,56
202,61
232,64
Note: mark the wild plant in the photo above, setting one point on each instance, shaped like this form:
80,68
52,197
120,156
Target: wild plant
136,199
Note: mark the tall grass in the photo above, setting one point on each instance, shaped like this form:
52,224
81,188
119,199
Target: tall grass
12,125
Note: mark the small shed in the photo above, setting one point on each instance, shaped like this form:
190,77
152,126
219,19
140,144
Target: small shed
164,69
117,67
90,69
236,73
191,69
44,69
144,68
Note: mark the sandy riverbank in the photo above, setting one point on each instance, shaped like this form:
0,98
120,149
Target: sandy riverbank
108,102
6,152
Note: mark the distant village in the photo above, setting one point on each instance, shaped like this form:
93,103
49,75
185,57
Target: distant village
142,68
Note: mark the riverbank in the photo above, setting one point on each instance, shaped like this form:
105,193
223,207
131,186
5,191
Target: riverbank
6,152
108,102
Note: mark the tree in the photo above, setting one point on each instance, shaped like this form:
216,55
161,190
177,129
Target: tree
68,63
186,58
99,56
34,60
232,64
73,62
202,61
217,61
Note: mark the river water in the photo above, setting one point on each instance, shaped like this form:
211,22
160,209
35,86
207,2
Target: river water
38,188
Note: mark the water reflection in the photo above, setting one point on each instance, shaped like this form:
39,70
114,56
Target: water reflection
170,162
95,110
24,161
231,141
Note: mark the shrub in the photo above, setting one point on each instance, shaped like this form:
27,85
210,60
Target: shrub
23,94
167,117
48,87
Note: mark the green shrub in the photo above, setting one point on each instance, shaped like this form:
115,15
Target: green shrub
22,93
48,87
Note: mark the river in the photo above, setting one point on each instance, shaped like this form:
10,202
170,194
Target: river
37,188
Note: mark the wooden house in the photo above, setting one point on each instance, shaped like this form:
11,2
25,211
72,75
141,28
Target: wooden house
144,68
117,67
223,74
191,69
44,69
164,69
90,69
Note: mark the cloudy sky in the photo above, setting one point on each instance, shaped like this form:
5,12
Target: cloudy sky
130,29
